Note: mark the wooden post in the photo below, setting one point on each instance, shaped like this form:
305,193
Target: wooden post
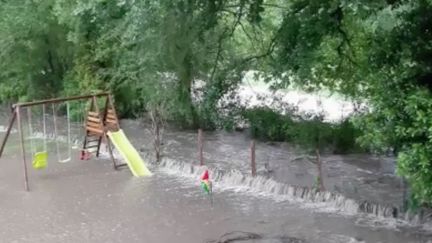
252,156
103,120
112,107
320,175
85,124
105,112
110,151
154,115
17,110
404,195
11,122
59,100
157,142
200,146
96,107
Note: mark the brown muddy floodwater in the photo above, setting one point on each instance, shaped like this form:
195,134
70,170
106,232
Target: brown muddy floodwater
87,201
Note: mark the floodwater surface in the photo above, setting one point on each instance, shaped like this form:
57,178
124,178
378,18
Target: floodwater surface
88,201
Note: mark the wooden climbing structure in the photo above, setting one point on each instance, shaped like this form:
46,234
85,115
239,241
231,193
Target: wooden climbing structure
97,124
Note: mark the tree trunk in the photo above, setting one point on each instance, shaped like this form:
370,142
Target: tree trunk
253,162
186,101
200,147
405,195
320,175
157,142
156,133
185,92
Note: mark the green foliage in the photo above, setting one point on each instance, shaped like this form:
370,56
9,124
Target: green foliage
33,49
345,136
312,133
374,51
266,124
308,131
405,128
63,47
150,54
399,94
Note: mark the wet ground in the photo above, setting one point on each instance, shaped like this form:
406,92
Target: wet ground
88,201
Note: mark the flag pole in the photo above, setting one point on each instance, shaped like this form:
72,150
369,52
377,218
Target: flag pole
211,193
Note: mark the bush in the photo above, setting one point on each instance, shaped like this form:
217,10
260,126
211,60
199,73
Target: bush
266,124
345,136
307,131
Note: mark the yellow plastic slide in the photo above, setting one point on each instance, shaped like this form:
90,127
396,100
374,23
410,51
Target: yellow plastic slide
129,153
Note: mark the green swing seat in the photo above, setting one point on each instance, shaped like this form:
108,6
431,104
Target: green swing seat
40,160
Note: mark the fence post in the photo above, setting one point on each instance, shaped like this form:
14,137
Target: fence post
320,175
200,146
252,156
157,142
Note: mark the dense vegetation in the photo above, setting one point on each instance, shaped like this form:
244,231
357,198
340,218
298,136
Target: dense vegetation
338,137
150,54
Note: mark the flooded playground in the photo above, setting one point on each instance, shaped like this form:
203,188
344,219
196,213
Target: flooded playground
215,121
89,201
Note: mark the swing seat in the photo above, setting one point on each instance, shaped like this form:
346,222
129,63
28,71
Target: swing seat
40,160
65,160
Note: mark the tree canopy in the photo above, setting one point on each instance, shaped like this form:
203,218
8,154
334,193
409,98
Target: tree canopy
152,54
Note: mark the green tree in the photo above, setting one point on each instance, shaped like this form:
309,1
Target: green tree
34,52
375,51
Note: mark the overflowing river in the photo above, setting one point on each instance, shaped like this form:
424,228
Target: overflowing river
88,201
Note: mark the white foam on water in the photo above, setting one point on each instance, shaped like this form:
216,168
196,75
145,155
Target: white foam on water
364,171
234,180
341,238
369,214
255,92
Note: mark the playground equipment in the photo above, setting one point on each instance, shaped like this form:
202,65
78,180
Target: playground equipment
99,127
85,154
69,147
129,153
39,158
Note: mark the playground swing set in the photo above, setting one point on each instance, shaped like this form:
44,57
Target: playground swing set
99,127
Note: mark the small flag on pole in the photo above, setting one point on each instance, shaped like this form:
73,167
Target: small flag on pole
206,185
205,182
